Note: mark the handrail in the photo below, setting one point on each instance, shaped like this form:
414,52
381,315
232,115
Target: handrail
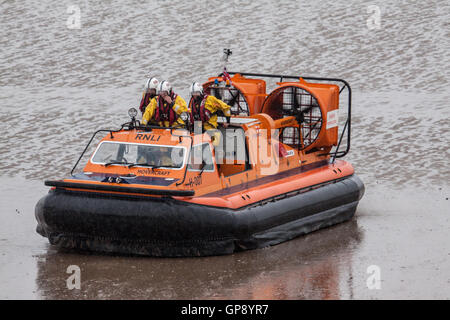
92,138
188,155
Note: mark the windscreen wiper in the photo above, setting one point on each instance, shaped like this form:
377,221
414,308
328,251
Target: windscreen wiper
131,165
115,162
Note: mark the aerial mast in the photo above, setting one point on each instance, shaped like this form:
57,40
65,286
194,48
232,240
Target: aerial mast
226,54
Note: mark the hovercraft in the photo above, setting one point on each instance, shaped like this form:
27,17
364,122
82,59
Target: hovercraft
273,174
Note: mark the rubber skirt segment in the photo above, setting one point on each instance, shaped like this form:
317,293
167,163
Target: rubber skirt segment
171,228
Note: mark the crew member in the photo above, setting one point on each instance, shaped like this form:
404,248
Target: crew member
166,108
205,108
149,93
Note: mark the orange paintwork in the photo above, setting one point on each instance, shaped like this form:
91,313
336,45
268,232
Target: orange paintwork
279,187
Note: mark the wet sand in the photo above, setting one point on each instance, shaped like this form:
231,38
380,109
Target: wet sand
404,232
57,86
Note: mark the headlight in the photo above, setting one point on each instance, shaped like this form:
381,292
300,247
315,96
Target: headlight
132,112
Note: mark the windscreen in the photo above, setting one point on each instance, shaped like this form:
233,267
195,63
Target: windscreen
113,153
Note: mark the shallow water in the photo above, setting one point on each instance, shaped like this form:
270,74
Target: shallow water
58,85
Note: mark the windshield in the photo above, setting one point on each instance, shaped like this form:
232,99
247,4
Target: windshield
110,153
201,158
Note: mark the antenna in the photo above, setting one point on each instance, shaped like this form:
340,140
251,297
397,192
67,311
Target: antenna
226,54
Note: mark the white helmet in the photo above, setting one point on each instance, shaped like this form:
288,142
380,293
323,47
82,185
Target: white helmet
165,86
196,87
152,83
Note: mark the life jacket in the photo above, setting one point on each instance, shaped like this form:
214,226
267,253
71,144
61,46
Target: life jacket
165,113
145,101
198,111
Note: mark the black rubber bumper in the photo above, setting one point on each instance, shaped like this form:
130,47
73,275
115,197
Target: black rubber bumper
168,227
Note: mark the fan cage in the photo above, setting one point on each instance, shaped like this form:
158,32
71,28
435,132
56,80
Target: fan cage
305,107
231,96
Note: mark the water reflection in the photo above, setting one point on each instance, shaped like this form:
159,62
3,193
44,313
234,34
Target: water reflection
316,266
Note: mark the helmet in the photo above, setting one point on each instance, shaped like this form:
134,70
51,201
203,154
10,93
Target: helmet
152,83
196,87
165,86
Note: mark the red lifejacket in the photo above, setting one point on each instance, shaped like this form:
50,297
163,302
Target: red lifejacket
164,111
145,101
198,111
